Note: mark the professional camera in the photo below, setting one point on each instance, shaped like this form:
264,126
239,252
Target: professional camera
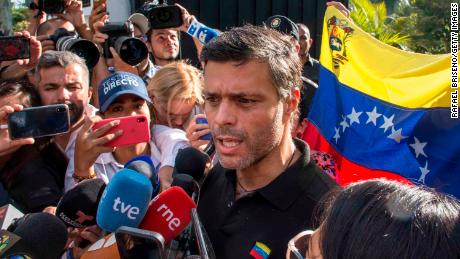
131,50
49,6
162,15
69,41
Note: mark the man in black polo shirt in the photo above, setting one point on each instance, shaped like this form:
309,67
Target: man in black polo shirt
264,188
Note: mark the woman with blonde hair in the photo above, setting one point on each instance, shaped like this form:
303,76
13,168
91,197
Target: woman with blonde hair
176,94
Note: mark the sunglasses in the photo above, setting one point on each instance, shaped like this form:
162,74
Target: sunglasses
298,245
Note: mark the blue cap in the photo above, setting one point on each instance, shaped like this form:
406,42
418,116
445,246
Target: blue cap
120,83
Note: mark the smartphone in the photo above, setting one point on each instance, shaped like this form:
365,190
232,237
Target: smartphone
135,243
15,47
204,121
39,121
135,130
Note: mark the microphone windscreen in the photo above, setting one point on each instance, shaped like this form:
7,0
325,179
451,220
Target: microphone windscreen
104,248
78,207
145,166
191,161
44,233
185,182
169,213
124,201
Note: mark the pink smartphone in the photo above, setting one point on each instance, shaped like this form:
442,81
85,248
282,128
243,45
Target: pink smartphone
135,130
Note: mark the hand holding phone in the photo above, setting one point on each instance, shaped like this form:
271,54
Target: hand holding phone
135,130
39,121
204,121
7,145
14,47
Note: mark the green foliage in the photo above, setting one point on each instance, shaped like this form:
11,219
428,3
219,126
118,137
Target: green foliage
427,23
372,18
20,22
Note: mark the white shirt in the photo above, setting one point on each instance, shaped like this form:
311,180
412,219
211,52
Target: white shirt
164,145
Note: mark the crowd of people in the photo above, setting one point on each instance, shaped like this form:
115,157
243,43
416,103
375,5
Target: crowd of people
264,192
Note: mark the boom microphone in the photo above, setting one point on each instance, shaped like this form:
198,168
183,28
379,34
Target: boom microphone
191,161
169,213
78,207
124,201
42,235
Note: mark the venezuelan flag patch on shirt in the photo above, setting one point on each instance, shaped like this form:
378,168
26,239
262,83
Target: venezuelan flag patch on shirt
260,251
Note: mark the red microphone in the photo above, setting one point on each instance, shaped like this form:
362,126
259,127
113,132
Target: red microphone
169,213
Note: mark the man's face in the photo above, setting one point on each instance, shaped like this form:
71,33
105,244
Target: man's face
244,112
164,44
67,85
305,42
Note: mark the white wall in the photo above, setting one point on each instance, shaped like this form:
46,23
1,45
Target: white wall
119,10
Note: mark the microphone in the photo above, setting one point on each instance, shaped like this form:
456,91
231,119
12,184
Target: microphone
145,166
124,201
78,207
191,161
8,214
41,235
204,244
169,213
202,32
188,184
104,248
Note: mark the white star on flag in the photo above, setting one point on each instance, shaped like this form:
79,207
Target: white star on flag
396,135
424,171
354,116
373,115
344,123
388,122
336,135
418,147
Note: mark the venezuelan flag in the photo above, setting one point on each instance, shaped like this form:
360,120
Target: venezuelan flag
260,251
383,112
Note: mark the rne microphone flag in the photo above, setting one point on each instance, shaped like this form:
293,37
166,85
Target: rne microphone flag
124,201
169,213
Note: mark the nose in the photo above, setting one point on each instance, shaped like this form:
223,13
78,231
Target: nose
224,114
63,95
170,41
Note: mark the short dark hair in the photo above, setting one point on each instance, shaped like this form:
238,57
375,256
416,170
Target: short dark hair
262,44
62,59
388,219
9,87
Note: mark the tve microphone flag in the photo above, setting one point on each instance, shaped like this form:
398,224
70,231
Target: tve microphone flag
7,214
169,213
124,201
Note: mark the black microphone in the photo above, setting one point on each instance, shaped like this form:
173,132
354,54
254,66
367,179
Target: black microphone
78,207
41,235
191,161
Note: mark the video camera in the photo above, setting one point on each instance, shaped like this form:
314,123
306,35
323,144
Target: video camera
65,40
49,6
131,50
161,15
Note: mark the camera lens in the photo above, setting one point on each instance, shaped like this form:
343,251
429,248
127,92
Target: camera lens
131,50
164,15
141,120
60,109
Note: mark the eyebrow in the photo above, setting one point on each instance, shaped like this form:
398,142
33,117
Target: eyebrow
235,95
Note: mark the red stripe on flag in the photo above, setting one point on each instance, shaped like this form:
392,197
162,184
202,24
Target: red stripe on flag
348,171
256,255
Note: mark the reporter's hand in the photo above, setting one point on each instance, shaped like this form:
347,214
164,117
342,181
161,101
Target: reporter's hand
35,50
186,18
91,234
98,13
73,12
196,130
7,145
340,7
98,36
90,144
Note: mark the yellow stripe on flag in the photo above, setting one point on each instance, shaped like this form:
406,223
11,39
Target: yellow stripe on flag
263,247
362,62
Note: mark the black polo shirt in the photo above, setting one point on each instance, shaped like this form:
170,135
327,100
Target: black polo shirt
271,215
311,69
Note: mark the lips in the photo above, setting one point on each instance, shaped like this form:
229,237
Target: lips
228,145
